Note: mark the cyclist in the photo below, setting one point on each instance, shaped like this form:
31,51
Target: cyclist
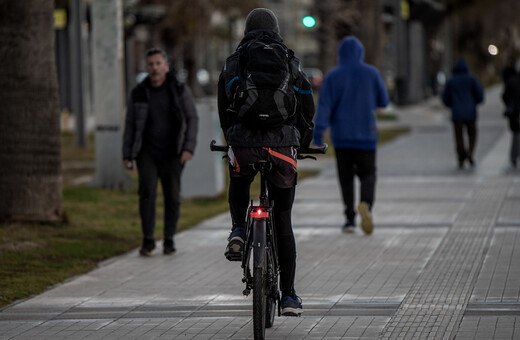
277,144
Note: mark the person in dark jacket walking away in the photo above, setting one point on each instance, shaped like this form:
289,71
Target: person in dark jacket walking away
511,98
253,142
160,135
462,93
349,98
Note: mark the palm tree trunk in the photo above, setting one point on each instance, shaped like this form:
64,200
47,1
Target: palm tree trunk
30,167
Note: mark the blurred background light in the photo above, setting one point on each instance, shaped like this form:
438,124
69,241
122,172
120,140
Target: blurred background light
309,21
492,49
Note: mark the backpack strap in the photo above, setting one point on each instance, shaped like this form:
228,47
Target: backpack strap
230,73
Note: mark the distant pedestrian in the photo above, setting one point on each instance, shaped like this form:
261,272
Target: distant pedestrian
160,135
462,93
511,98
349,98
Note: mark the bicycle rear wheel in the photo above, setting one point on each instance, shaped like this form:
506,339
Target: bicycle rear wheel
259,277
259,303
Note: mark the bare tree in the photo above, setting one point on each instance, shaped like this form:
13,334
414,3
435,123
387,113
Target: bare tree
327,38
340,18
185,30
30,167
479,23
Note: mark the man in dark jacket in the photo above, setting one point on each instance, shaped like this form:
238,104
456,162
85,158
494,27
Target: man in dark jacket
350,95
160,135
276,144
511,98
462,93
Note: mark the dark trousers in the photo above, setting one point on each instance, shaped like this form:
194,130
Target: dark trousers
515,147
514,126
150,170
283,200
351,162
464,153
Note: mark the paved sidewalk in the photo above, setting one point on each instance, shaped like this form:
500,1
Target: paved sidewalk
443,262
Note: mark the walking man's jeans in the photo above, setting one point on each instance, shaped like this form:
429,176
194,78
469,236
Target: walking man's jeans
169,172
462,152
351,162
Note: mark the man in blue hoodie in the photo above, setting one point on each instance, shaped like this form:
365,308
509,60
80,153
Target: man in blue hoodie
462,93
349,98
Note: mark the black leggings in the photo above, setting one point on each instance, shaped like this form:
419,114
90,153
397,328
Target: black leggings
283,200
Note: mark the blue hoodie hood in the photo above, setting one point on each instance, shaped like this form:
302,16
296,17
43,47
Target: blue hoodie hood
351,50
349,98
461,66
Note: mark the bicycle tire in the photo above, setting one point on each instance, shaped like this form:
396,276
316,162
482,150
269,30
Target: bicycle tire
259,303
271,288
258,228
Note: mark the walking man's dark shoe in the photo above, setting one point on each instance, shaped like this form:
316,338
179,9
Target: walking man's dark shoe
147,251
168,247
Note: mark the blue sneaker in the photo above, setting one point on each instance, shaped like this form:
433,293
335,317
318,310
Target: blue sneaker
236,244
292,307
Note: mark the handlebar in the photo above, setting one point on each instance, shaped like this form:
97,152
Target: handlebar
302,152
214,147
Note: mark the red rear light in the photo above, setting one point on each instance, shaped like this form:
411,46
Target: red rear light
259,213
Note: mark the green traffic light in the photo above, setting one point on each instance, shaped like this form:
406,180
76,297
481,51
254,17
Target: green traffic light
309,21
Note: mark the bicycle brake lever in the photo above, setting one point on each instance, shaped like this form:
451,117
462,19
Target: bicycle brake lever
307,157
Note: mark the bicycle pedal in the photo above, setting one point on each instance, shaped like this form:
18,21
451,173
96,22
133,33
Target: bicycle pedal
233,256
246,291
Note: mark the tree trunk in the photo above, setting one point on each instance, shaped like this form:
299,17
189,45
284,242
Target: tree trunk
327,37
30,167
369,29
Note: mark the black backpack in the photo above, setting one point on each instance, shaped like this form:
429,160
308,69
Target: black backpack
264,95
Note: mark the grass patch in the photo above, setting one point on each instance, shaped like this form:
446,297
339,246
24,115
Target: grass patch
385,136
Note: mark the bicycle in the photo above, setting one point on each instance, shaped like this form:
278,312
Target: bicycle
260,251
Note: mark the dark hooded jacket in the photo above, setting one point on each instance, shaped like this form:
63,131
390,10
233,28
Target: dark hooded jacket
349,97
295,132
137,114
462,93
